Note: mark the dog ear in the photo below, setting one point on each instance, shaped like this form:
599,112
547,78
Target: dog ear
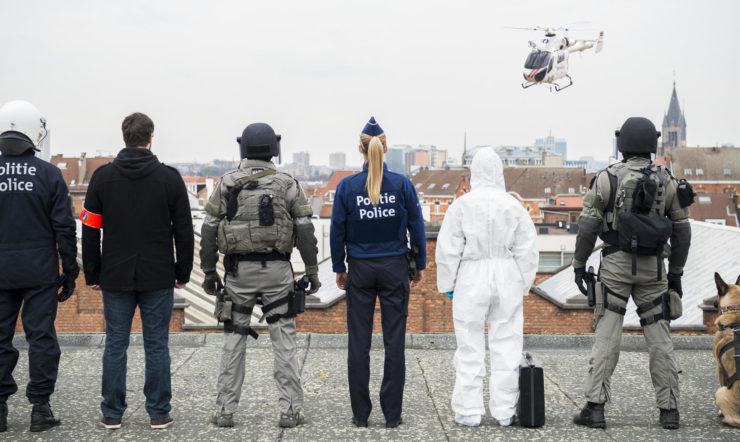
721,285
738,280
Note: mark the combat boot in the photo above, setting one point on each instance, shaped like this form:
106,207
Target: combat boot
221,419
592,416
3,417
42,418
669,418
288,420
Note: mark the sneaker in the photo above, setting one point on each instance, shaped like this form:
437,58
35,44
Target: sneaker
592,416
221,419
393,424
468,420
3,417
161,423
42,418
669,419
111,423
288,420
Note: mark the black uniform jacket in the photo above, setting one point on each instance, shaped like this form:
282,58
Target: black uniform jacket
141,205
35,217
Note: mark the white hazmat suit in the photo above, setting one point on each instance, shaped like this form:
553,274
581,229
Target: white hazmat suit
487,254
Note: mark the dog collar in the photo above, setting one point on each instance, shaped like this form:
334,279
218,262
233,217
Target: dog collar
729,308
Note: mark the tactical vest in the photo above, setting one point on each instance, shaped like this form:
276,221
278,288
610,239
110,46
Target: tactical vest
634,218
261,220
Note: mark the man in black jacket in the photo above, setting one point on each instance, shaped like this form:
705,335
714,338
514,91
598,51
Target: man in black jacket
141,205
35,219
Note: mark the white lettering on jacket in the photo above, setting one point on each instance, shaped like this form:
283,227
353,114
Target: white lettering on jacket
12,177
368,211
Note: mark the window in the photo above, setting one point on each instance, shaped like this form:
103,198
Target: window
62,166
705,199
436,207
431,186
418,185
571,190
547,190
562,203
551,261
445,186
719,222
728,172
687,172
699,172
331,195
537,59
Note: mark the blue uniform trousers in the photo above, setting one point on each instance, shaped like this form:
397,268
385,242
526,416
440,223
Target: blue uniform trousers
39,313
387,279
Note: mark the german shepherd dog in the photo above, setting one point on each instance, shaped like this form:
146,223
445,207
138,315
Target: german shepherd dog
726,350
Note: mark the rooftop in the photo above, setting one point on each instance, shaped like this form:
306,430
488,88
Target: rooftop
706,163
534,182
440,182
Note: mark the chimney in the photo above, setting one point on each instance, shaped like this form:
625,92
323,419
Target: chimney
82,169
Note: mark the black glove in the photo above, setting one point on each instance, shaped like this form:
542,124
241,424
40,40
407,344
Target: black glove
67,284
211,283
581,278
315,284
674,283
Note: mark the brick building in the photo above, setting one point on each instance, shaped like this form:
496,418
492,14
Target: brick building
537,187
77,173
322,200
437,189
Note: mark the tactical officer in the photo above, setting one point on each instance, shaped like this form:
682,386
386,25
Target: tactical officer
635,207
35,220
374,213
255,217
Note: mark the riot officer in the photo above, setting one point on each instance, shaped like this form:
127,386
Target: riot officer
35,220
636,208
255,217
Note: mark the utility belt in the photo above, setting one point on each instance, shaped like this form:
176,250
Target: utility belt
732,345
632,248
670,301
231,262
296,301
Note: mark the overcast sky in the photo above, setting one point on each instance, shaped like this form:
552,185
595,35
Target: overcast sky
316,70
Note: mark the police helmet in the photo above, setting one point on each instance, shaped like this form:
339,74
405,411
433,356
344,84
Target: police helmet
259,142
637,135
21,117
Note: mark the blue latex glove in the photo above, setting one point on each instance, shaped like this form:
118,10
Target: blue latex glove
449,295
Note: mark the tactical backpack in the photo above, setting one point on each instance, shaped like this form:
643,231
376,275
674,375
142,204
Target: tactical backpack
257,217
634,217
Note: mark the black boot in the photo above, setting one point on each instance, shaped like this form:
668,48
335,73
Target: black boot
3,417
591,416
42,418
669,418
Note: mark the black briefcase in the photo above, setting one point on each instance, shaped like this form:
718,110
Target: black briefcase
531,409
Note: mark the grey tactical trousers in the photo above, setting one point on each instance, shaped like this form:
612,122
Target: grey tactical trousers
273,281
616,274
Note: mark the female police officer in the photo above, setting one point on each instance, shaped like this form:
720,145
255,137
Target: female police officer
373,210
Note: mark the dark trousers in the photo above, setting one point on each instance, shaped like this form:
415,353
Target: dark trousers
155,308
39,313
386,278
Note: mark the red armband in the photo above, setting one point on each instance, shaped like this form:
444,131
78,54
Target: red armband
91,219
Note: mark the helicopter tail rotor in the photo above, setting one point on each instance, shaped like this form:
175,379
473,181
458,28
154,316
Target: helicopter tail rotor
600,42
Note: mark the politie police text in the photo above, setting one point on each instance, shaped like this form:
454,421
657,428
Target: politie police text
16,184
373,212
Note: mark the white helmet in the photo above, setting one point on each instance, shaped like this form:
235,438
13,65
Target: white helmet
23,117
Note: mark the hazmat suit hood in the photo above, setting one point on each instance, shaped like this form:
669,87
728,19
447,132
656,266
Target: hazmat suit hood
136,163
486,170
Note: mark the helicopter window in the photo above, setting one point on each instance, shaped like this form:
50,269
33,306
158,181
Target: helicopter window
561,57
537,59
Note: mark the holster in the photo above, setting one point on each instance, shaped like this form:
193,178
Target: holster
411,261
222,312
599,294
674,304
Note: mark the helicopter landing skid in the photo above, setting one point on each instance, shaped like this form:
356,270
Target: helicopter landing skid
528,85
559,88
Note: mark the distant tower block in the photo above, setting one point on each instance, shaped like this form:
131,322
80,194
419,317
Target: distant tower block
674,125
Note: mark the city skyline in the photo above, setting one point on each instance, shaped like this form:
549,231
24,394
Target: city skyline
432,72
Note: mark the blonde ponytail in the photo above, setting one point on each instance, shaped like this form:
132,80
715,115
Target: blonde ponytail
373,148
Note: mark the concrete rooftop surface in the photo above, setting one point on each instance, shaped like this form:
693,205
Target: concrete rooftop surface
427,416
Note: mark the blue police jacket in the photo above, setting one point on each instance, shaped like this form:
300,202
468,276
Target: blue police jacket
370,231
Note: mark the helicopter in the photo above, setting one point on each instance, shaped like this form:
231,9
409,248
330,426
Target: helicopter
548,61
